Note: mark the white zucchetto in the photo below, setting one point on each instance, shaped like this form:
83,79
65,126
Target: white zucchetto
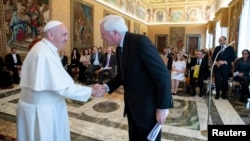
52,24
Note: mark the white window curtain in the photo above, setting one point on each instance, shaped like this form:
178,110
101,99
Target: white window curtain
209,40
217,33
244,34
224,31
220,31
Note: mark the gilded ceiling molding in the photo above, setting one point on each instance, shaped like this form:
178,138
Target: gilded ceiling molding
222,16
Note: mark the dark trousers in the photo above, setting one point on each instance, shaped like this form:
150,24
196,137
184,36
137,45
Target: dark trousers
16,78
139,132
244,82
197,81
82,73
221,79
101,73
6,78
70,67
90,71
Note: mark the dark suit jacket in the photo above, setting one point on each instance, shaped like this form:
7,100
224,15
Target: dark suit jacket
100,58
170,57
5,75
227,55
1,63
204,71
9,61
64,60
145,78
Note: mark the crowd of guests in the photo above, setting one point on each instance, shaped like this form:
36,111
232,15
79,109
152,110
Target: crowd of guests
10,67
195,68
87,66
91,65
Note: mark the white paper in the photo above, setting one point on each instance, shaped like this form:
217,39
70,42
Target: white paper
155,131
106,68
235,73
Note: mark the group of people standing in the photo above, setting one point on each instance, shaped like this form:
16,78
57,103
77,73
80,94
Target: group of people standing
198,69
42,110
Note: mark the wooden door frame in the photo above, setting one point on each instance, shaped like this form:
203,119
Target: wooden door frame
160,35
193,35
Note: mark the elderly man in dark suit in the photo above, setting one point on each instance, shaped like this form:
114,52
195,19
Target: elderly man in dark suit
109,63
203,72
222,69
143,75
14,63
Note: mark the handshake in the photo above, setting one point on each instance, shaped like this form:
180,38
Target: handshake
98,90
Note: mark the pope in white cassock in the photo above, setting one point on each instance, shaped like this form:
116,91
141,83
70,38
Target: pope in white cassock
41,111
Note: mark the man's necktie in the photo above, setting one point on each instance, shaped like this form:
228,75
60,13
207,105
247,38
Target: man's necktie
108,58
119,51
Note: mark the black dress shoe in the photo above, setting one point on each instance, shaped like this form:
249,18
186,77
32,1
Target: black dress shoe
201,95
217,97
224,96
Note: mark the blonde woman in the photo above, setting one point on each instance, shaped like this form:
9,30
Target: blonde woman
178,72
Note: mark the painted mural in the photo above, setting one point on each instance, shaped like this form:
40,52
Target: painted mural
83,25
143,10
24,21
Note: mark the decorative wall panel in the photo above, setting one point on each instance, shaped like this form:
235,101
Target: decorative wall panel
177,35
82,25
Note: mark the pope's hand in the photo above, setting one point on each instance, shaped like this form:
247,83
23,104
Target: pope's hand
98,90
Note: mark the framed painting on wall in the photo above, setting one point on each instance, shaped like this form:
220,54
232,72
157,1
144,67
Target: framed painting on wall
106,13
177,37
23,22
82,25
177,14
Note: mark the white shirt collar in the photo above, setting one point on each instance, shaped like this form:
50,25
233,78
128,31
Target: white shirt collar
122,40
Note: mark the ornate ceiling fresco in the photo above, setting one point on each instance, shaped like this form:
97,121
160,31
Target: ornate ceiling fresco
159,3
164,11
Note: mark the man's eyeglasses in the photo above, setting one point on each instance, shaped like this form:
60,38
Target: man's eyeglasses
244,53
